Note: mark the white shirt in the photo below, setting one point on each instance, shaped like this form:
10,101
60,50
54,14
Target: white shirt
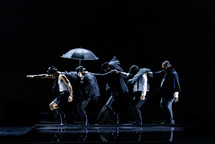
61,84
141,85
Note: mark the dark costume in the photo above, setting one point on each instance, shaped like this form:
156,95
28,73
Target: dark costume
116,87
169,85
85,90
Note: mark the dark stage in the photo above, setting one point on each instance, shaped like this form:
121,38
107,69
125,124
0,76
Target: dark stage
34,34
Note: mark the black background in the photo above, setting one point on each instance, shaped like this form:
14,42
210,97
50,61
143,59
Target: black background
35,33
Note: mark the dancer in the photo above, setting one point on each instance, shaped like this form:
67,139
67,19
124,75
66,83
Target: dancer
64,88
169,90
116,87
140,87
88,90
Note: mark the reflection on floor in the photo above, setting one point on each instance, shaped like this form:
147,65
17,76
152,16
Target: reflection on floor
97,133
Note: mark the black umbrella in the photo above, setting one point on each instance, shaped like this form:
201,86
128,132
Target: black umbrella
80,54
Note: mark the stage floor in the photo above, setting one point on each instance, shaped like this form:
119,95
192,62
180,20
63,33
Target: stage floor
97,133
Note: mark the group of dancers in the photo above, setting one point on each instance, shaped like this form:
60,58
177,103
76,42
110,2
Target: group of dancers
81,87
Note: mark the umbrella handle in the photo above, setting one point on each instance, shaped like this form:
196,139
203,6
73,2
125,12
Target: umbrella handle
79,62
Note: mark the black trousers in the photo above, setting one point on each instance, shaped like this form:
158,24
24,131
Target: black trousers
136,103
79,110
166,107
83,105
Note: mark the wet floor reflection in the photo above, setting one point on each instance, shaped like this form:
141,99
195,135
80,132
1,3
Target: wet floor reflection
103,134
108,133
149,133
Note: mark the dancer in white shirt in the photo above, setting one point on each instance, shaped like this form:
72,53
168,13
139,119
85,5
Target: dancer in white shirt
64,89
140,87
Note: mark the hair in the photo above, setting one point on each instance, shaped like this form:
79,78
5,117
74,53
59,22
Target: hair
104,65
133,68
52,70
167,63
80,69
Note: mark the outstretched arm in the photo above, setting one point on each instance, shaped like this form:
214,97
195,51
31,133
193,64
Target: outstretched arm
40,76
123,74
104,74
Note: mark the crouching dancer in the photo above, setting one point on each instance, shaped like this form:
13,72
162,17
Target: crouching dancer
64,88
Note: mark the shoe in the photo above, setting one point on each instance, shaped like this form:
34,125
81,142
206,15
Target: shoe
167,123
163,123
171,123
137,123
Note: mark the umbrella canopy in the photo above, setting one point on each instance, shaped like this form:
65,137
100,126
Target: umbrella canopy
80,54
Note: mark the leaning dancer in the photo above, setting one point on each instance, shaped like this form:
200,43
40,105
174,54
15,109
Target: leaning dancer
88,91
117,89
140,88
64,88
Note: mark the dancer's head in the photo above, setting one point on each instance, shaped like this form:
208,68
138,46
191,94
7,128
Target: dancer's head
52,70
133,70
80,71
166,65
105,67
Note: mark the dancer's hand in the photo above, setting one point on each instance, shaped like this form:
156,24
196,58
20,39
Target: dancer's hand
70,98
176,96
142,97
30,76
176,99
116,71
